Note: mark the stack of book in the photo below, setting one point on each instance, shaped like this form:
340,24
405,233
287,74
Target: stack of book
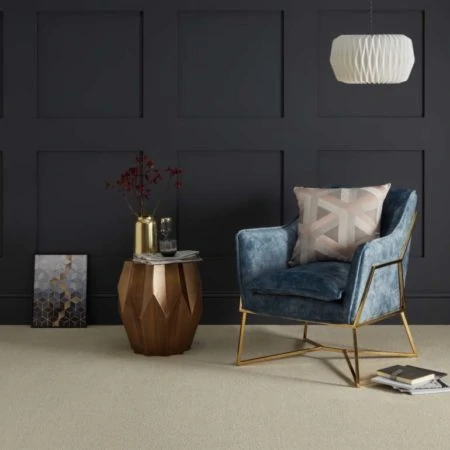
412,380
157,258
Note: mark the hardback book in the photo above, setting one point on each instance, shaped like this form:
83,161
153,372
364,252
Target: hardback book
180,254
157,258
410,375
436,386
399,385
432,387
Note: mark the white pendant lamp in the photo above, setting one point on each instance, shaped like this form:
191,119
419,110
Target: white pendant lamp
372,58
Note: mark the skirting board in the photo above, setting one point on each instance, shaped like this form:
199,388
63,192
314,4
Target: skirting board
15,309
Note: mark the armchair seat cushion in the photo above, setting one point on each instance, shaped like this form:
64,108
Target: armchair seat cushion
324,281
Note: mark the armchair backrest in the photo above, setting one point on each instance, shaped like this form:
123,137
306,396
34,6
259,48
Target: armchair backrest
394,207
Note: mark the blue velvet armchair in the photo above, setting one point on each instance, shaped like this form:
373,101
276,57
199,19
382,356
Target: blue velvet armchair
366,290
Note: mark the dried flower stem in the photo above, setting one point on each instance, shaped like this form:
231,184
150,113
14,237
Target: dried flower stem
129,205
141,171
139,180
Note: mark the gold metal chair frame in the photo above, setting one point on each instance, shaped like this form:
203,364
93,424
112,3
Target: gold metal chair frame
357,353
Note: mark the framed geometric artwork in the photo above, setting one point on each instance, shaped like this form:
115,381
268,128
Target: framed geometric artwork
59,299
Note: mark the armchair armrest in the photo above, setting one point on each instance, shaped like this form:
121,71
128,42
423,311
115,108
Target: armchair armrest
261,250
384,293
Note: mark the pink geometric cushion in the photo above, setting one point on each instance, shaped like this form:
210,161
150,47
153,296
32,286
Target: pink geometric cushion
334,222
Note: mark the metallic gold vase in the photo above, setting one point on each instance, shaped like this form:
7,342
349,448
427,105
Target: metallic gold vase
145,235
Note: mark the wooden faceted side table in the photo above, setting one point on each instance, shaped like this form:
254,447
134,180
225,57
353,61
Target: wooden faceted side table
160,306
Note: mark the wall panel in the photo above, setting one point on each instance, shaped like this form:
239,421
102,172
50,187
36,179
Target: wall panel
89,64
225,191
240,93
230,64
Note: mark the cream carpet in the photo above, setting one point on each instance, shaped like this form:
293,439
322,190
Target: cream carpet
85,389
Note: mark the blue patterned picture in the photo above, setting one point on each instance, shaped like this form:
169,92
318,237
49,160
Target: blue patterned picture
59,291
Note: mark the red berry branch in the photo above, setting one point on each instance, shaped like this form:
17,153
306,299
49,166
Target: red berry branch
137,182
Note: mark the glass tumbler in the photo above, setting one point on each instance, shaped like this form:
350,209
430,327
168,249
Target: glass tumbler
167,245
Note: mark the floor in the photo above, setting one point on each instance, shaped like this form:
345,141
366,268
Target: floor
85,389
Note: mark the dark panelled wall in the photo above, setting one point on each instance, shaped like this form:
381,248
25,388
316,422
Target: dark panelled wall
240,93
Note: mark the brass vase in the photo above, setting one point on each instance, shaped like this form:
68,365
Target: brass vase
145,235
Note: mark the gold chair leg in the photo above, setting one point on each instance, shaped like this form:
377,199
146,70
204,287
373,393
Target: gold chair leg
365,352
408,333
345,351
305,331
316,346
243,362
241,338
356,356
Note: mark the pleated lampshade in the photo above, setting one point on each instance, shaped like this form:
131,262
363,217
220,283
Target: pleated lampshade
372,58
